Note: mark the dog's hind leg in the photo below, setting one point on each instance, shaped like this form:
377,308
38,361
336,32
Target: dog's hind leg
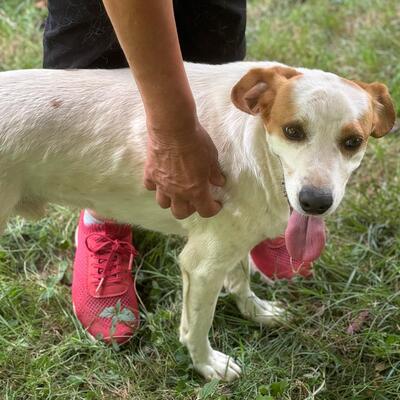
32,208
9,198
204,266
237,282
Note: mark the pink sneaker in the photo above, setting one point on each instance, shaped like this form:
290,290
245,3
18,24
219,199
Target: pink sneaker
272,260
293,253
103,290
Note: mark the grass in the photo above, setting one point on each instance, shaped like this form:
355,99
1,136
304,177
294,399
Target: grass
44,354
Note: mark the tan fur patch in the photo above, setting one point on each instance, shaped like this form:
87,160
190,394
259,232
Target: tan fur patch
282,111
367,121
382,106
256,91
361,127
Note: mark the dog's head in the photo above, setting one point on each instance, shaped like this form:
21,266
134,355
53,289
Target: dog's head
318,124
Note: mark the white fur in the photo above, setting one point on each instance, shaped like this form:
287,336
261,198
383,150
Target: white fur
78,138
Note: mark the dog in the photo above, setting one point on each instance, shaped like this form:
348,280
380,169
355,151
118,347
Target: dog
78,138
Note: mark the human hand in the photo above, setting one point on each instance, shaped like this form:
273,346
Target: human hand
181,165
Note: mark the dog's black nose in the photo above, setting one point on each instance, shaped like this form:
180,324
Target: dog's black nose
315,200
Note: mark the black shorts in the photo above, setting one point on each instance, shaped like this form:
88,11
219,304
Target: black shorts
78,33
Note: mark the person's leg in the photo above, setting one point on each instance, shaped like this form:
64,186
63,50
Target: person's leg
211,31
78,34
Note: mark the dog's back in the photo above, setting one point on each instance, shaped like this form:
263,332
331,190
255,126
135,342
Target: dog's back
74,137
46,118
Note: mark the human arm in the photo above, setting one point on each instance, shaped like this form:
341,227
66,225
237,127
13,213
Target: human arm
182,160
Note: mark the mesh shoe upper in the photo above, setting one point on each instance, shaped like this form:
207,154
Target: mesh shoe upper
271,258
102,279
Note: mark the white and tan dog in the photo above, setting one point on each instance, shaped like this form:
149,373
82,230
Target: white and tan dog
78,137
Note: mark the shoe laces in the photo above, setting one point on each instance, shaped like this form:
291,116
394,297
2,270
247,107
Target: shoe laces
298,268
110,255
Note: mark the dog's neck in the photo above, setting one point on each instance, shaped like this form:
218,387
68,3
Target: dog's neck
246,140
253,171
240,138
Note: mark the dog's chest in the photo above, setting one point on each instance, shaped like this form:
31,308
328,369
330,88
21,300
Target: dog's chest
254,214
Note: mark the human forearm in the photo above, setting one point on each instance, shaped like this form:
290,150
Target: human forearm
147,33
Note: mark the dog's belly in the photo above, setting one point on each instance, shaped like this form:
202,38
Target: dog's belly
117,194
143,211
124,206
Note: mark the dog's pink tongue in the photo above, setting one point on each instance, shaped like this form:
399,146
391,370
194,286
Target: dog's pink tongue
305,237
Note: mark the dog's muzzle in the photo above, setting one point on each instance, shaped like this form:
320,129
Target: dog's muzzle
315,200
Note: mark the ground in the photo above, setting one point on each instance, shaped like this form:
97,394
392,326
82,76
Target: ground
344,339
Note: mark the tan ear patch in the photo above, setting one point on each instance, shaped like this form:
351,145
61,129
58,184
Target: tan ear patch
255,92
251,98
384,114
282,111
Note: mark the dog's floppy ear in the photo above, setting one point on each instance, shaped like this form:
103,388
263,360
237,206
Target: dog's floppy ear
255,92
383,108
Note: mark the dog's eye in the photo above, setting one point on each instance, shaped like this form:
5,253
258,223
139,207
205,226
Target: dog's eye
352,143
294,132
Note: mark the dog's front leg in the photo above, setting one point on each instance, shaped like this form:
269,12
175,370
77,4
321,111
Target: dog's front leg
203,272
237,282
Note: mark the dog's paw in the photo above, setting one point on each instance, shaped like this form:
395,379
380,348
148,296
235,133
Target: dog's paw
219,366
269,313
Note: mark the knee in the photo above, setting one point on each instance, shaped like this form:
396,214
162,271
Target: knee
208,258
